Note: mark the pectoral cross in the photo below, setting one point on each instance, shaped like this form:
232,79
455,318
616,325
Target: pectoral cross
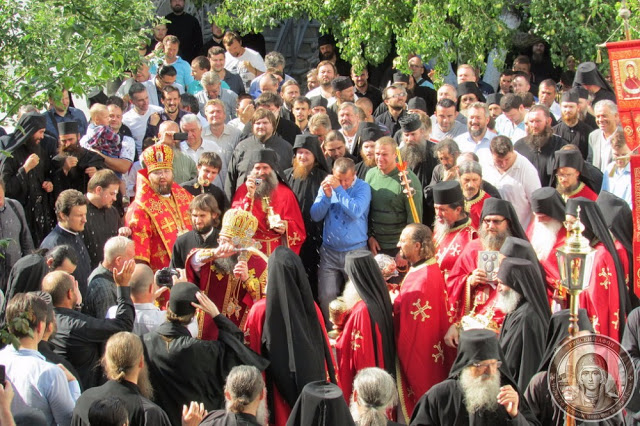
420,310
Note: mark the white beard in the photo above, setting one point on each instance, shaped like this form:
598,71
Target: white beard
262,415
350,295
440,230
480,393
544,236
508,301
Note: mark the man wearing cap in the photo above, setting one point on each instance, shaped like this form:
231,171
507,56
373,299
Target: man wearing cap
571,128
184,369
160,211
231,278
606,299
588,76
514,177
390,209
568,173
479,389
327,52
309,170
266,195
74,165
368,134
343,91
445,123
26,174
452,229
420,315
547,234
478,137
470,288
395,99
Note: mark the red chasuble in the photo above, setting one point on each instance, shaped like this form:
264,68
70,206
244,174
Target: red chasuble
550,264
450,245
474,208
355,348
624,259
581,191
421,320
157,221
285,204
233,297
253,339
462,297
601,299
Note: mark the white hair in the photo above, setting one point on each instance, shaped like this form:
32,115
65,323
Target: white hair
114,247
190,118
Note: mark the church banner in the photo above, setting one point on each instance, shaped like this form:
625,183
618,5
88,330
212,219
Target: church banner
624,59
635,202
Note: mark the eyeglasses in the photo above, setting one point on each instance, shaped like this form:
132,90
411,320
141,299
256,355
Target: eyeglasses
485,365
493,221
565,175
398,95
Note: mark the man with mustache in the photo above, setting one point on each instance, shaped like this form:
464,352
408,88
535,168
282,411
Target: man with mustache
366,137
571,128
74,165
159,212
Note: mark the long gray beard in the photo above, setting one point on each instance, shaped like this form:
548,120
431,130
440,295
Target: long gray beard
226,264
413,154
493,242
508,301
350,295
440,229
262,415
480,393
267,186
544,237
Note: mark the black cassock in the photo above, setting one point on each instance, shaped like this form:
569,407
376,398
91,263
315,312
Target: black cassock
541,158
77,178
184,369
101,225
187,242
224,418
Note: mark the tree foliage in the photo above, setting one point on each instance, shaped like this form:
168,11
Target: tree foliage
449,30
76,43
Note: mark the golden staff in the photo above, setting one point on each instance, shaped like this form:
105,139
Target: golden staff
402,167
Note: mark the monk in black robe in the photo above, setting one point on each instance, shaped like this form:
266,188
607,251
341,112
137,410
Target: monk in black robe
321,403
305,178
31,188
365,141
479,390
522,295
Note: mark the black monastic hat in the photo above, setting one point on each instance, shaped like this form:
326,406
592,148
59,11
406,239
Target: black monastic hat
447,192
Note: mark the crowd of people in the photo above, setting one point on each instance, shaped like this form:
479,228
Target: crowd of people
220,244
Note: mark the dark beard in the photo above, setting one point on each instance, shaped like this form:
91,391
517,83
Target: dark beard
33,146
269,183
540,140
491,241
413,154
144,384
226,264
73,150
178,9
162,189
300,171
327,56
204,230
537,58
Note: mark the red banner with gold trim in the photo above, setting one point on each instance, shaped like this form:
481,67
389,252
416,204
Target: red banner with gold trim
624,60
635,202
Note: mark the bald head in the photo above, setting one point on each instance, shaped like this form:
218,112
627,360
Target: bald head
141,284
58,284
169,126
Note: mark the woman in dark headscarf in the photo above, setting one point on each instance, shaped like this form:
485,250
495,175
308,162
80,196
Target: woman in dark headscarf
367,339
523,331
287,328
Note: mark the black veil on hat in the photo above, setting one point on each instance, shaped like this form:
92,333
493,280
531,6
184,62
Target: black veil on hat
293,338
268,156
558,330
547,200
447,192
28,125
518,248
572,158
470,87
593,221
496,206
312,143
364,273
522,276
320,403
26,275
366,132
587,73
477,345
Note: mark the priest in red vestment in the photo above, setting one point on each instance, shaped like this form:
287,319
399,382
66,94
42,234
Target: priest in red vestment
570,182
421,319
266,195
547,234
606,299
160,211
470,289
233,275
470,179
288,328
452,228
367,337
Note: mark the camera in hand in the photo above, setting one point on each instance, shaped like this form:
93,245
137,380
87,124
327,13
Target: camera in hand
164,277
180,136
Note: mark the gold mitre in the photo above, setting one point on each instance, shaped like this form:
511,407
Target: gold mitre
473,321
239,225
158,157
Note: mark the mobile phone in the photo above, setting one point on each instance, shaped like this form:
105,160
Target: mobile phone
2,375
180,136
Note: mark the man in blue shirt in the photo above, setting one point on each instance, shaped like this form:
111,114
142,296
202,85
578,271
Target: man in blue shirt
171,45
61,111
343,203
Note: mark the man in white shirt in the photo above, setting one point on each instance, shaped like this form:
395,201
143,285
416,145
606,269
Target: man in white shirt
241,60
514,177
511,122
138,116
478,137
617,177
547,96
